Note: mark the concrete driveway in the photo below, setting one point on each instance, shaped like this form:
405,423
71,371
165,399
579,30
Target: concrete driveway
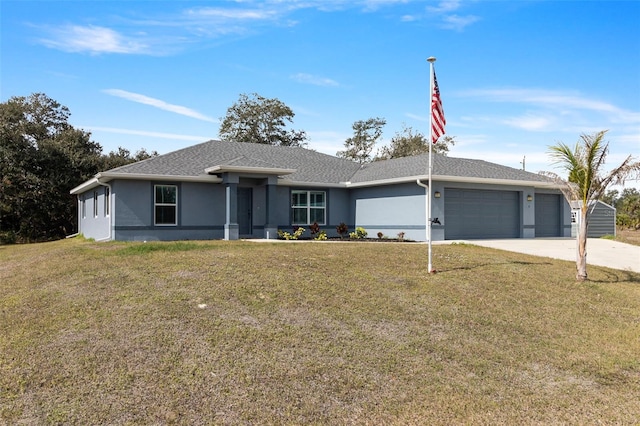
601,252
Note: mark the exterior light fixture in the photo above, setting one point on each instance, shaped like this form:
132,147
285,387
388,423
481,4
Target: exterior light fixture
436,194
529,197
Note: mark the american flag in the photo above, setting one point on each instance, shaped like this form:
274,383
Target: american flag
437,113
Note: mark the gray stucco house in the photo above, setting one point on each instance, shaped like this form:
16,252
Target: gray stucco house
229,190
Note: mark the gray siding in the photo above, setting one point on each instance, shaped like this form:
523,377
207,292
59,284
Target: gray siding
391,209
341,209
202,204
93,225
201,212
602,221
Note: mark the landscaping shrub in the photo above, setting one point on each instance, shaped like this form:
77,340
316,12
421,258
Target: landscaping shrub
297,232
359,233
342,229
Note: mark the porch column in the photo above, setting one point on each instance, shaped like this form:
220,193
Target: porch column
271,226
231,228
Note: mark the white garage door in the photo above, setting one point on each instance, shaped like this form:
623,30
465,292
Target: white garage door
475,214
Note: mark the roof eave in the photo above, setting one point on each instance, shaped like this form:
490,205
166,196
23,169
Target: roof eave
301,184
251,170
105,177
445,178
85,186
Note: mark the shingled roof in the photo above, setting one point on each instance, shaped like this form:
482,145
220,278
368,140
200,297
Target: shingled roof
444,167
310,166
296,165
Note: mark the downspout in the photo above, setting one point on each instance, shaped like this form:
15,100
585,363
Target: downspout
110,209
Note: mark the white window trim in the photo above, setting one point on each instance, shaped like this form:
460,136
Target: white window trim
309,207
95,203
107,199
156,204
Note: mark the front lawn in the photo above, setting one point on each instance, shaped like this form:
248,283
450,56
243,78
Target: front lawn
312,333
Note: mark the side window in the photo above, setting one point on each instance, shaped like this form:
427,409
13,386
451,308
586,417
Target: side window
166,205
106,201
84,206
308,207
95,203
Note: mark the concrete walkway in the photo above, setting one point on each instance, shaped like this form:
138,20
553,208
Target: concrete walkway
601,252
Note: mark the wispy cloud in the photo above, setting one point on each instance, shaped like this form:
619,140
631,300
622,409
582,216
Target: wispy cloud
91,39
160,104
561,113
160,35
450,20
457,22
253,14
374,5
314,80
562,102
531,122
445,6
327,142
166,34
146,133
417,117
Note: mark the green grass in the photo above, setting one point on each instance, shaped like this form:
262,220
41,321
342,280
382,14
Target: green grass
178,246
312,333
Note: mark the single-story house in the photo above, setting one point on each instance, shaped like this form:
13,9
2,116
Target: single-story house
229,190
600,216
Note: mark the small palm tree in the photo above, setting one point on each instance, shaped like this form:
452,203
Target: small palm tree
586,182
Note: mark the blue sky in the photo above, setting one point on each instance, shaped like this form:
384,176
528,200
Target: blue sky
514,76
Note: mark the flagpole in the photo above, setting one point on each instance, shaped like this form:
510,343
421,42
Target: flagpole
431,60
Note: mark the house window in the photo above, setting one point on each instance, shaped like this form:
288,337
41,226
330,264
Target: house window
95,203
106,201
84,206
166,204
308,207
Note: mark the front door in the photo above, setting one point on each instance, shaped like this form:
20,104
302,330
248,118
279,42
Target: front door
244,211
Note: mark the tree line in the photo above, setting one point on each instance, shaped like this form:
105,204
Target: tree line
627,204
42,157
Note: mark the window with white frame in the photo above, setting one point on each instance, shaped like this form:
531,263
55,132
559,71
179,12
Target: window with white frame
84,206
308,207
106,201
95,203
166,205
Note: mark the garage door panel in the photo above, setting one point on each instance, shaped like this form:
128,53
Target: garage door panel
473,214
548,215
